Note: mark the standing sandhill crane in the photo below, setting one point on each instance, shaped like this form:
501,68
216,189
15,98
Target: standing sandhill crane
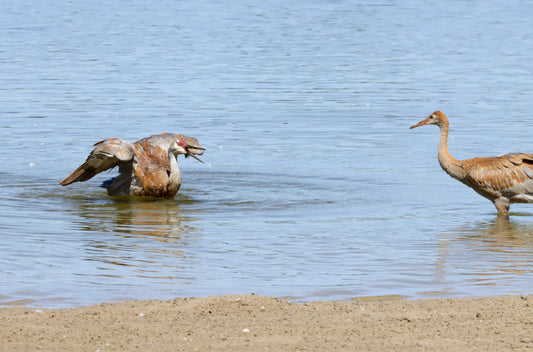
148,167
502,179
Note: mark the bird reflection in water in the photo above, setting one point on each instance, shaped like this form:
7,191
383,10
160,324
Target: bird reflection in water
137,217
489,253
500,235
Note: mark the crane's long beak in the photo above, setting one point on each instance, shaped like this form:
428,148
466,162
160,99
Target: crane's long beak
421,123
192,155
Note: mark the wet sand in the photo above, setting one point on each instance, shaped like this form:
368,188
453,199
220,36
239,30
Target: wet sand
257,323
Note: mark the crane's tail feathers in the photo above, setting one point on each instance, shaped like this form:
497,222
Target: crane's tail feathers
107,183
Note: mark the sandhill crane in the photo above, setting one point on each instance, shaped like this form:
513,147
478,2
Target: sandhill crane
148,167
502,179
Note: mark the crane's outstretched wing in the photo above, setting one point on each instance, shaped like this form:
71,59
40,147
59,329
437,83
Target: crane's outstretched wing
106,155
509,174
165,139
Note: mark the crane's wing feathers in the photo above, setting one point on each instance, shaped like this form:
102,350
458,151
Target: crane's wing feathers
107,154
507,173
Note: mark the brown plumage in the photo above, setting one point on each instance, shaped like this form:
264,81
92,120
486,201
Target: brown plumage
502,179
147,167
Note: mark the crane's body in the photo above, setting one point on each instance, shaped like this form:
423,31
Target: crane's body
502,179
148,167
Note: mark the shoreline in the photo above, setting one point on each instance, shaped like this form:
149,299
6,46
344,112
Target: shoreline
259,323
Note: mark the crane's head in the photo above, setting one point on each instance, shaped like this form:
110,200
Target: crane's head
437,118
180,146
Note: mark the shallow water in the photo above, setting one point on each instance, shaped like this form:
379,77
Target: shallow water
313,186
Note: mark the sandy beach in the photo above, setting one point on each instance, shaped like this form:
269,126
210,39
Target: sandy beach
258,323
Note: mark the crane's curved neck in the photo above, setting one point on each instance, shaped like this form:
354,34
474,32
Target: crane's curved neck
452,166
175,174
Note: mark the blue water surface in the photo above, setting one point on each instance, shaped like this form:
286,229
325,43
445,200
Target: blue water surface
313,187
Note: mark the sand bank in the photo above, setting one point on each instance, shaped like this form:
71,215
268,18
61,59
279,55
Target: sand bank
257,323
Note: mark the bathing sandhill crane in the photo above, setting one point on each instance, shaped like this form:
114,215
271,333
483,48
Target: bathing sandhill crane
502,179
148,167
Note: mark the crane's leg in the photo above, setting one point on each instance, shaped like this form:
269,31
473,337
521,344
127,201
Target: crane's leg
502,204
